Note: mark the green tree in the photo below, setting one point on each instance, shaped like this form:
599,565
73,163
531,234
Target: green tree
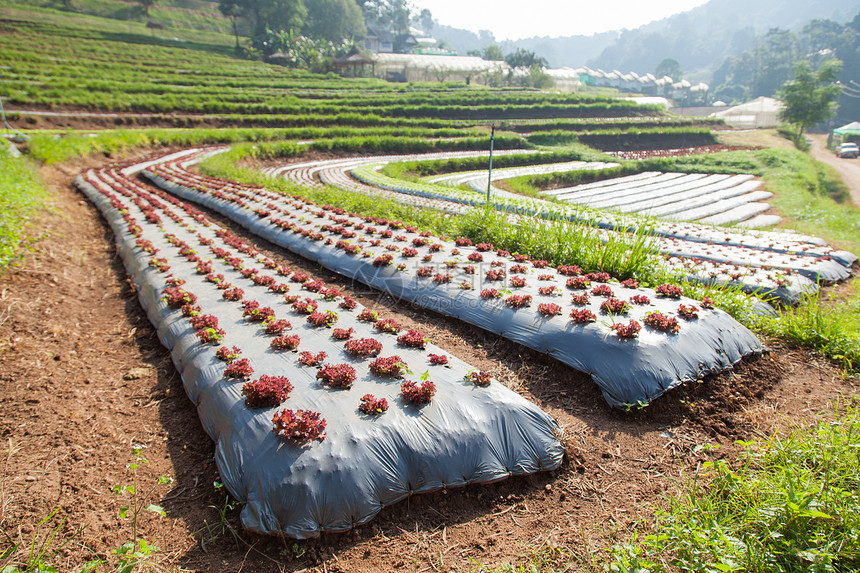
524,59
493,53
425,20
265,15
393,15
334,20
810,95
669,67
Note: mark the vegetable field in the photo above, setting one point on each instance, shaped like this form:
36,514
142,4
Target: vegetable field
259,319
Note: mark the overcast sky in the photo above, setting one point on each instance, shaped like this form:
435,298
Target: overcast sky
515,19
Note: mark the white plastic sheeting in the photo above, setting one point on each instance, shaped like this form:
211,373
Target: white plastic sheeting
628,371
466,434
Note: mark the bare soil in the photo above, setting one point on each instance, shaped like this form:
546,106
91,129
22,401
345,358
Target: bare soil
84,377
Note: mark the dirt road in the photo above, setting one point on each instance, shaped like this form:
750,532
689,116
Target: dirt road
849,169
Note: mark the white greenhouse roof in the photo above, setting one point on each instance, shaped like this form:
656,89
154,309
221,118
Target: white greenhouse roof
453,63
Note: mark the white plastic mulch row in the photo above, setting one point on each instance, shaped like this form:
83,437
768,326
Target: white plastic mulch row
694,259
337,466
590,322
806,256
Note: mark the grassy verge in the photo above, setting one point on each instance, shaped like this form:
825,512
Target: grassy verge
558,242
21,193
788,504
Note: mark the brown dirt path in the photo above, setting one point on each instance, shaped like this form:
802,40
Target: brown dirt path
83,377
848,169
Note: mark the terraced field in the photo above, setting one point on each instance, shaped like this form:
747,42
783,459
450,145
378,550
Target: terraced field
383,358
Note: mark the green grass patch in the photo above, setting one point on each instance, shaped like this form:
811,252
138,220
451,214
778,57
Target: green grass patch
788,504
623,255
21,193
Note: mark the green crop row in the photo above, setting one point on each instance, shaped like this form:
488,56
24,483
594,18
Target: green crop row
622,138
615,123
21,193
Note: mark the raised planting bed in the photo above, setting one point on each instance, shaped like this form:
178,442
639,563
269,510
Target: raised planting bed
782,256
323,412
502,293
701,263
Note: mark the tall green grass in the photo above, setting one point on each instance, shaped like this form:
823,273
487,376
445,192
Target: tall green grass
789,504
623,255
21,193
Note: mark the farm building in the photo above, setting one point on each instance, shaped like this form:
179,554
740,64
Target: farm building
850,132
760,112
430,68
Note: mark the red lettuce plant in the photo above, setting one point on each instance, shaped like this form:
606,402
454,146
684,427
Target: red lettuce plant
311,359
582,316
415,394
516,269
327,318
569,270
342,333
388,366
518,301
176,297
478,378
305,306
368,315
210,334
640,299
659,321
300,426
234,294
630,283
629,330
340,376
383,260
578,283
549,309
408,252
518,282
598,277
387,325
240,368
277,327
348,303
484,247
489,293
688,312
545,277
614,306
668,290
579,299
495,275
707,303
372,406
438,359
363,347
160,264
228,354
476,257
602,290
289,342
190,310
266,391
442,278
412,339
424,272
